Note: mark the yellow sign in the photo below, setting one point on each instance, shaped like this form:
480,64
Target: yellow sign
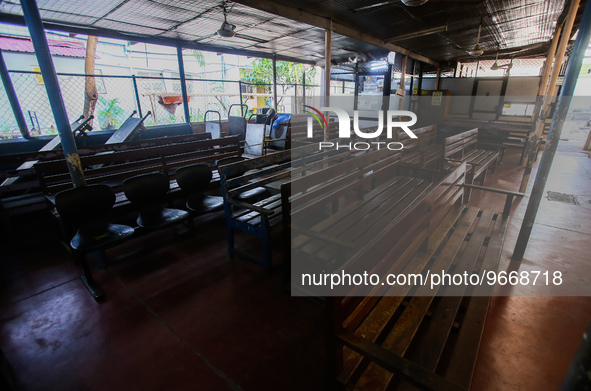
38,76
436,98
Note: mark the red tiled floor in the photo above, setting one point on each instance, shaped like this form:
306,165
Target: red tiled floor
180,315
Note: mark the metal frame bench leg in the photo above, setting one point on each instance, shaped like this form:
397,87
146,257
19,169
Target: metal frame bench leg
230,239
87,278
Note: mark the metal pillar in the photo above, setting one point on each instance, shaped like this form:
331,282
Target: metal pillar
568,87
35,25
544,111
356,92
327,59
438,80
275,83
304,91
137,96
179,54
387,89
13,99
295,98
420,87
532,139
402,81
412,78
417,106
241,102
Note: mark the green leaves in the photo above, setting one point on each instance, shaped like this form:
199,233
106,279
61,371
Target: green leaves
287,72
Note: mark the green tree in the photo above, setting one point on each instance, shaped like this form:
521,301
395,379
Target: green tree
261,74
198,54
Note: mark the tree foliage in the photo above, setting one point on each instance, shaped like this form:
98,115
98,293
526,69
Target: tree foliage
287,72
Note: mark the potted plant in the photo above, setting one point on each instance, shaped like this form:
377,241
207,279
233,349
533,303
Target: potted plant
109,113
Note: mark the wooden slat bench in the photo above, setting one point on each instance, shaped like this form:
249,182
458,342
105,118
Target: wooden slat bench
379,206
502,134
412,337
298,133
463,147
269,172
24,194
114,168
424,151
336,213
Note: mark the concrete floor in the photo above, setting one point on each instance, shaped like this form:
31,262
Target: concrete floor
180,316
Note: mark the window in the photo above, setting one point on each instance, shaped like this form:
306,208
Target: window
519,109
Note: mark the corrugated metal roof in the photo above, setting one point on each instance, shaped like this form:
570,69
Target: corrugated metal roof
58,48
513,27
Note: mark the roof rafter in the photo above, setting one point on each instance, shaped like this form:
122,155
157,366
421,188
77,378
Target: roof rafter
107,33
324,23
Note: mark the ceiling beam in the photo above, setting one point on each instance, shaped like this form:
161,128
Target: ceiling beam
324,23
156,40
416,34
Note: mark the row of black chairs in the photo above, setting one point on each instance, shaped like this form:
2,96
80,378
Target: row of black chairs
85,210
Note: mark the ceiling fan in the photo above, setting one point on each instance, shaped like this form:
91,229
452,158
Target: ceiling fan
409,3
477,51
227,29
496,66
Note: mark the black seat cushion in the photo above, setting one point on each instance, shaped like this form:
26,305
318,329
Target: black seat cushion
88,241
86,209
201,203
148,192
159,217
194,180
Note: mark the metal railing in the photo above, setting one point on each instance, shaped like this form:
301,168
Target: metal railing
120,95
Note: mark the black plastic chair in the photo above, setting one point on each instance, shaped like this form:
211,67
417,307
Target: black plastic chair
85,210
148,193
249,195
193,181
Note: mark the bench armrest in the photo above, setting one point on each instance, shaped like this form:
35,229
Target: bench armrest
254,208
510,195
322,236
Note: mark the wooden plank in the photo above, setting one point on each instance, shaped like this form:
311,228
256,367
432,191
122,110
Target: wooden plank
462,135
347,226
125,131
463,359
399,339
354,319
428,351
330,221
397,364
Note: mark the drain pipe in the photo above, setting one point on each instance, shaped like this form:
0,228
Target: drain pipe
566,94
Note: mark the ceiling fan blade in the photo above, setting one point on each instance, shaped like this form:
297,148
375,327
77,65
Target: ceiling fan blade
371,7
457,1
251,38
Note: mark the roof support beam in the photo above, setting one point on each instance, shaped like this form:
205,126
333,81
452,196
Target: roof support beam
33,18
327,64
417,34
179,54
275,105
566,94
106,33
13,99
324,23
548,93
